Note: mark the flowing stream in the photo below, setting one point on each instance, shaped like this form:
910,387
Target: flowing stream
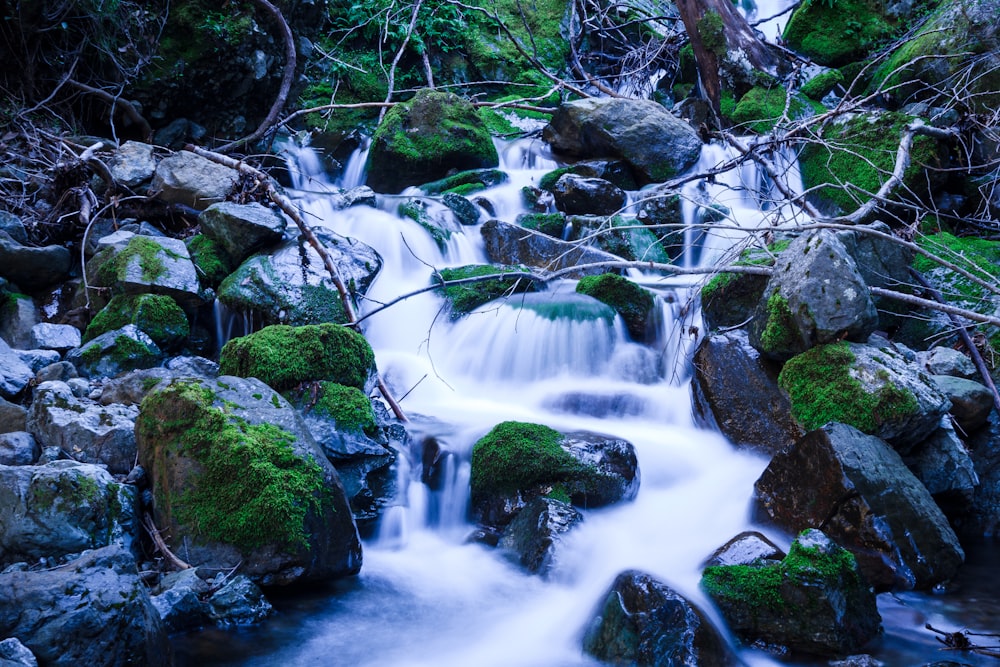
427,597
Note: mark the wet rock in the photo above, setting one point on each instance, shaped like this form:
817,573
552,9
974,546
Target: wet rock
17,317
511,244
943,465
578,195
85,430
947,361
179,602
15,654
132,164
14,373
654,143
193,366
861,492
191,180
882,262
115,352
727,370
291,285
619,235
18,448
132,387
58,337
240,481
471,180
242,229
642,621
360,196
971,401
982,515
12,226
745,549
635,304
465,211
157,315
62,371
30,265
816,295
91,611
12,416
238,602
764,601
61,508
532,538
156,264
38,359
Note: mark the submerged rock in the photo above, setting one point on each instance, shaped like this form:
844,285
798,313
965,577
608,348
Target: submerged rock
511,244
532,538
642,621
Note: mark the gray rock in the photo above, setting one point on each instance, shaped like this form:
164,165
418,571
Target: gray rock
360,196
532,539
193,366
14,373
85,430
727,370
29,265
132,387
971,402
578,195
62,508
18,448
189,179
12,416
861,492
649,138
61,371
642,621
15,654
465,211
160,265
944,467
815,296
512,245
747,548
59,337
132,164
92,611
239,602
38,359
947,361
115,352
881,262
242,229
179,601
17,316
11,225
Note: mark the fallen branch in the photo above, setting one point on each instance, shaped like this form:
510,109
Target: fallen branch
117,103
289,209
161,546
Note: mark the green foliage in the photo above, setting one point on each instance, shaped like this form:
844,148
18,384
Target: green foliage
466,298
711,29
979,257
820,85
347,406
283,356
634,303
823,389
210,259
516,456
548,180
834,34
478,178
761,108
158,316
251,489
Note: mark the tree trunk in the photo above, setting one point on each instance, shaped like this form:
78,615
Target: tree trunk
712,37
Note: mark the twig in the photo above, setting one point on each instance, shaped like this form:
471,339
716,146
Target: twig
161,545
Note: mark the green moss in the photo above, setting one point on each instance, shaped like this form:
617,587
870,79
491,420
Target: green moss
548,180
67,489
150,257
979,257
835,33
158,316
820,85
634,303
822,389
466,298
780,331
416,210
712,32
727,103
283,356
550,224
347,406
480,179
516,456
251,489
210,260
560,493
761,108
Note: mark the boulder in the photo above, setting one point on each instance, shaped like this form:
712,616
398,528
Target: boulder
114,352
132,387
971,401
942,464
17,316
947,361
816,295
813,601
578,195
85,430
518,461
14,373
156,315
283,288
61,508
619,235
132,164
425,138
532,538
874,389
654,143
982,516
864,496
238,602
242,229
635,304
12,416
239,481
642,621
18,448
747,548
30,265
465,211
91,611
62,371
463,299
191,180
38,359
511,244
179,601
156,264
617,172
58,337
12,226
727,370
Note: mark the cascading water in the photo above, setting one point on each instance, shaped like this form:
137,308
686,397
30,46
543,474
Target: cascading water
425,596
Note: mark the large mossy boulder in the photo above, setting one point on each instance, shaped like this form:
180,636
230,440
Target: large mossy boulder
156,315
641,621
860,492
815,600
874,389
466,297
283,356
837,33
241,229
425,138
518,461
155,264
816,295
114,352
655,143
238,479
635,304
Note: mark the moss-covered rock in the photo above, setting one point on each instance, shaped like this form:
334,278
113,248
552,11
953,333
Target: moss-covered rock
423,139
469,181
635,304
348,407
113,352
283,356
761,108
835,33
822,84
158,316
147,264
624,237
551,224
467,297
815,600
210,259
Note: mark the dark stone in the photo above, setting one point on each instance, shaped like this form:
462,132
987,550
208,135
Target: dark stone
511,244
28,265
465,211
532,538
745,549
971,401
578,195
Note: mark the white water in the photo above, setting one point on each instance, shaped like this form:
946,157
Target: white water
425,597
